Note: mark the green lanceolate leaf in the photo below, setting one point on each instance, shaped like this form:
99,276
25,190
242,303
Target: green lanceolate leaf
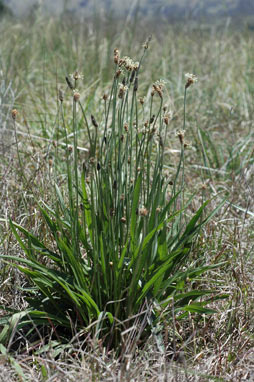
136,194
87,208
160,271
195,308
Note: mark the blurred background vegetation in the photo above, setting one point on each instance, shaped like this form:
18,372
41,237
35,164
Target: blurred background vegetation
169,9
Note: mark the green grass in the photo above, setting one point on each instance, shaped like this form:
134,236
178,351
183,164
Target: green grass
107,237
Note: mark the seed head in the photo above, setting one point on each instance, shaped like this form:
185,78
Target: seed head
136,65
190,79
118,72
76,76
14,113
122,90
146,43
180,135
157,90
167,117
143,212
158,87
135,84
128,64
116,56
203,186
94,121
105,97
152,119
60,95
76,95
142,100
186,144
69,83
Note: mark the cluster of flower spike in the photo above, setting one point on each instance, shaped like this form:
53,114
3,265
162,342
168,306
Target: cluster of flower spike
125,61
128,63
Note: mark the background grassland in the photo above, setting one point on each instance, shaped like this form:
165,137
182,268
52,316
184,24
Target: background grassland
35,57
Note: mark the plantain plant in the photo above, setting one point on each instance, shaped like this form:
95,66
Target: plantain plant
120,238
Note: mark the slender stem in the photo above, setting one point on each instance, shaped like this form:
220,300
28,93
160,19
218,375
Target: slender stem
76,182
182,146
